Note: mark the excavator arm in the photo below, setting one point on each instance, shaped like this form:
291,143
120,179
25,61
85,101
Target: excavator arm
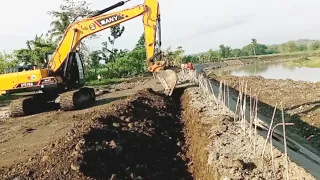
100,21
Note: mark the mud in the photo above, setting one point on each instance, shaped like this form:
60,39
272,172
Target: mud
301,101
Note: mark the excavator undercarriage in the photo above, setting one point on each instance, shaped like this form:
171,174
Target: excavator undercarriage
67,101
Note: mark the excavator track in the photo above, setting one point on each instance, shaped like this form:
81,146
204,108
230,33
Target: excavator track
77,99
26,105
16,107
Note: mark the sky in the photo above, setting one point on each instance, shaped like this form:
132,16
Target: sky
197,26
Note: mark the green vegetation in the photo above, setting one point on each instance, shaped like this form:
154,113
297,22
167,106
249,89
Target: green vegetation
254,49
122,63
104,81
305,62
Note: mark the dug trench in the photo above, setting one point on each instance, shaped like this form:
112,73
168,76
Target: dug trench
140,137
151,136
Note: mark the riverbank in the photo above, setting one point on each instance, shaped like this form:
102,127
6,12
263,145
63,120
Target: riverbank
300,99
311,62
290,59
219,149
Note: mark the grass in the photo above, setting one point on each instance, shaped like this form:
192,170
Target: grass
104,82
305,62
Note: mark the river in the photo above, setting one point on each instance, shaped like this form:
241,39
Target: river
273,71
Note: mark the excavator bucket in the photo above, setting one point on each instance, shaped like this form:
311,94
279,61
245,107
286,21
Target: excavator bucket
168,79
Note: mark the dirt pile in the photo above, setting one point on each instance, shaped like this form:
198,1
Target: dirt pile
139,138
219,150
301,101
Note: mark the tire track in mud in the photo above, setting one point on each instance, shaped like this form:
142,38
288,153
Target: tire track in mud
138,138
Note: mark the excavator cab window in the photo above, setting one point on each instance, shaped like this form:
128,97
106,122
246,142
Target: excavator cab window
74,71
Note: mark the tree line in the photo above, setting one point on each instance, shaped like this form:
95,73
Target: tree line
123,62
252,49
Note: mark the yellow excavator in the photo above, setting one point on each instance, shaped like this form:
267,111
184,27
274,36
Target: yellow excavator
62,81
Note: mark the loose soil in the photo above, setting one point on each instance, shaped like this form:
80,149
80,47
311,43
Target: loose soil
139,138
301,102
219,149
136,133
21,137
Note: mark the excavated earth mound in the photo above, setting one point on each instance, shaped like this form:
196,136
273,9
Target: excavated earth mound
219,149
139,138
300,100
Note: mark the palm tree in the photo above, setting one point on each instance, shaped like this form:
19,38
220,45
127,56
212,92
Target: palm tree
254,45
59,26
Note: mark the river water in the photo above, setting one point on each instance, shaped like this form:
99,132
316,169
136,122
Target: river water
273,71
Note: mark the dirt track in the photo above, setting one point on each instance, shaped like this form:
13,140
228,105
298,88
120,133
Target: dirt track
21,137
145,136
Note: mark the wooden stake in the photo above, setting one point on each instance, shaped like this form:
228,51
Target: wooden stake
285,144
269,131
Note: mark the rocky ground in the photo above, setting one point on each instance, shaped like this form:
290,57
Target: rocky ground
301,101
133,132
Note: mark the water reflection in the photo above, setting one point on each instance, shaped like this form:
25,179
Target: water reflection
273,71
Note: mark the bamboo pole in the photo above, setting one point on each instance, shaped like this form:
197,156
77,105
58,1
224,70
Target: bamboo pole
272,156
285,144
269,131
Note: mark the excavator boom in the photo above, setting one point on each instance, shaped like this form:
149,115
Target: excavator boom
99,21
63,80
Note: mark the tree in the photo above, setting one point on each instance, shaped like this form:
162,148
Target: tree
6,61
236,53
225,51
314,45
141,42
70,11
302,47
190,58
254,45
212,55
175,57
59,26
73,10
116,32
111,54
289,46
35,51
261,49
272,49
95,57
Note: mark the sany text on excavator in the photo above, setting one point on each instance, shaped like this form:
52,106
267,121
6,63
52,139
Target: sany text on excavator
63,80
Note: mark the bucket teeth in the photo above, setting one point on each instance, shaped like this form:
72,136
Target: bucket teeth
168,79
